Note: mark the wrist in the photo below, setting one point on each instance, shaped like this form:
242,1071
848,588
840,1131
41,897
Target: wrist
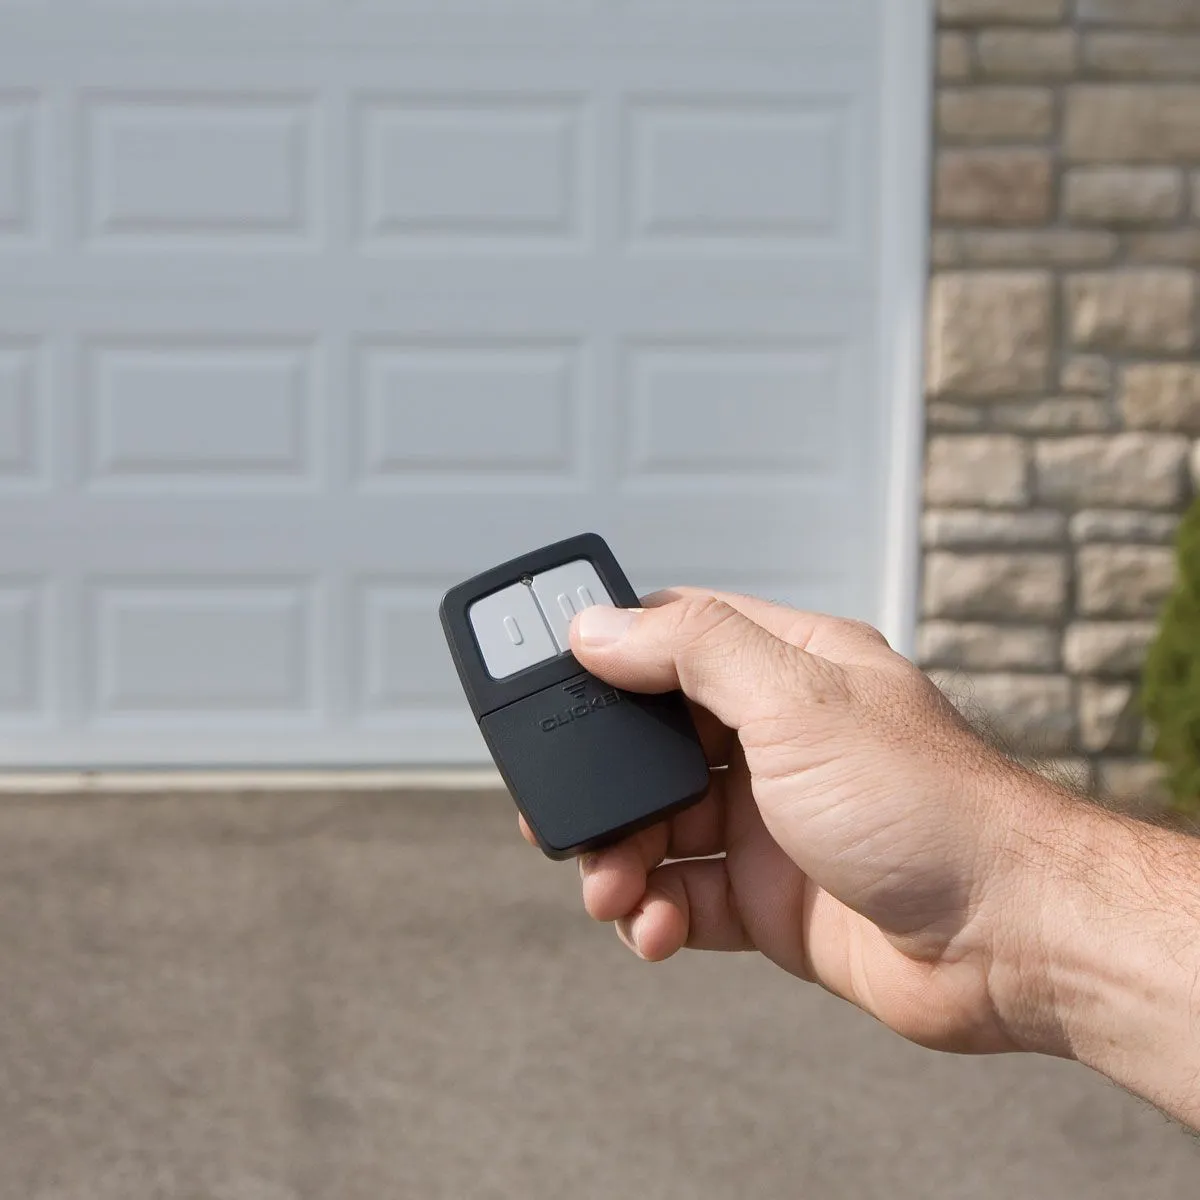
1041,973
1099,956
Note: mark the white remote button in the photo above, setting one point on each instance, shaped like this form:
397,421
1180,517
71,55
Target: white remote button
510,631
566,590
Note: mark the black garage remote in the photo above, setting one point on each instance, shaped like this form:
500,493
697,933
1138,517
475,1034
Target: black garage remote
586,763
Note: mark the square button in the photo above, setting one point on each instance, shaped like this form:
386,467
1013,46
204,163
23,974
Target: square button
566,590
510,631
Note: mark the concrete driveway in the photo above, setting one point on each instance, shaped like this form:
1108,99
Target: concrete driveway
365,997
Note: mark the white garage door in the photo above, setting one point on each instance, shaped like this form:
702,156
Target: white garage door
308,311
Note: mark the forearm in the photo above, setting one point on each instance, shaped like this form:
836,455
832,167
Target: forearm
1104,963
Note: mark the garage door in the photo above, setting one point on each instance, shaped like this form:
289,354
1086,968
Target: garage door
310,310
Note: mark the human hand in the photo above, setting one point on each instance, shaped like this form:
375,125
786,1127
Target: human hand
865,833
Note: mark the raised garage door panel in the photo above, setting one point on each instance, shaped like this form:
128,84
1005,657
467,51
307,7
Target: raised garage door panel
310,311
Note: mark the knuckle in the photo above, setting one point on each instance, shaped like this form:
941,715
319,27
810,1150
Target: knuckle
717,645
703,640
702,607
861,631
699,618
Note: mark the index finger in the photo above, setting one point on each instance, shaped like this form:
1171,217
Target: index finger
818,633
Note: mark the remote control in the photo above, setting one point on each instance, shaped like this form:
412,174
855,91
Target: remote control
586,763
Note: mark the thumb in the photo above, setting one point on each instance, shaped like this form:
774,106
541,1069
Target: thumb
700,645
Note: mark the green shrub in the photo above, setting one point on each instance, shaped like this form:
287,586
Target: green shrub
1171,683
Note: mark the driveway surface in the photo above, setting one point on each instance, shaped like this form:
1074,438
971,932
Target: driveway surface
301,997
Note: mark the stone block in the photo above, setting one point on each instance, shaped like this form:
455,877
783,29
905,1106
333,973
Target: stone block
1162,396
1028,53
1143,311
1123,525
964,528
1168,247
1134,784
990,470
1126,470
1123,580
1171,14
990,332
976,647
1109,718
1141,55
978,115
1110,649
1116,122
1123,195
1027,714
953,56
994,187
983,12
996,586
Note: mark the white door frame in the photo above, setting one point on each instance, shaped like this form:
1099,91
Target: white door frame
906,143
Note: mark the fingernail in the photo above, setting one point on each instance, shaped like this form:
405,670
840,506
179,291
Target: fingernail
601,625
635,934
629,926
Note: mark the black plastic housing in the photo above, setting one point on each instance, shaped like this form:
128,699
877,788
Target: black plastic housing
587,764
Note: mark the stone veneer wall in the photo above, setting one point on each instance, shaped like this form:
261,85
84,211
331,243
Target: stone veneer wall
1063,391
